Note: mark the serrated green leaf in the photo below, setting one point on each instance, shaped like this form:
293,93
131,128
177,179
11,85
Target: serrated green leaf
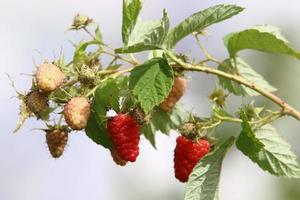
203,183
164,122
247,141
199,21
151,82
266,148
149,132
239,67
131,11
147,36
262,38
96,130
106,97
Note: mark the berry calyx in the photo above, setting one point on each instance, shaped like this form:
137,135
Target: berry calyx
125,135
187,153
56,140
77,112
80,21
140,117
177,91
49,77
37,103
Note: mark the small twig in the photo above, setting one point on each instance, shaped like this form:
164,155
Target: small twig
286,108
113,75
89,33
120,57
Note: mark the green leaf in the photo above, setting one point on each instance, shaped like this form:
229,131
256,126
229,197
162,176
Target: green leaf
131,11
200,21
164,122
151,82
79,53
96,130
203,183
114,66
147,36
238,66
98,35
247,141
106,97
266,148
262,38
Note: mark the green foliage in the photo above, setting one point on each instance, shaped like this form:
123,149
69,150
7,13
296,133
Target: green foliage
80,54
96,130
131,11
262,38
238,66
106,97
200,21
98,35
203,183
265,147
164,122
147,36
151,82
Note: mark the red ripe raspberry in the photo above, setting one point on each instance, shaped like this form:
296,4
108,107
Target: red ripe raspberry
125,135
77,112
177,91
187,154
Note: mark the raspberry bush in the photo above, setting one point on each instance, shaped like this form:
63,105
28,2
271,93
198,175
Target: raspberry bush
118,102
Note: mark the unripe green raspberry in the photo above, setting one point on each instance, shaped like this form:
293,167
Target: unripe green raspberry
56,140
77,112
37,103
49,77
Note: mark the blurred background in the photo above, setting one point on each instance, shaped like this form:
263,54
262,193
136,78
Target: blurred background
86,171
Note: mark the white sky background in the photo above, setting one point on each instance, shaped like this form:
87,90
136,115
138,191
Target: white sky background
86,171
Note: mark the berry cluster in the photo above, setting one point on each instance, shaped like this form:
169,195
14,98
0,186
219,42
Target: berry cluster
50,82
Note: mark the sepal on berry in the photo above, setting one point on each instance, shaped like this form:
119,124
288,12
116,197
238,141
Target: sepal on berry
140,117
